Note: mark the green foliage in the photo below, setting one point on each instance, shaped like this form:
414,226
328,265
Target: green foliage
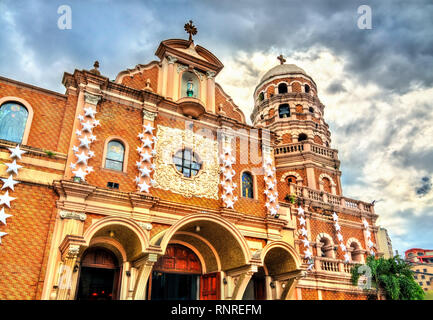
49,153
393,276
290,198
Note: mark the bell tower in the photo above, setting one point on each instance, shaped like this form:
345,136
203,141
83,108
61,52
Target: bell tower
286,102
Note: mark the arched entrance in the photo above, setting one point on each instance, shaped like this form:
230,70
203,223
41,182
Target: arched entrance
176,275
221,249
99,275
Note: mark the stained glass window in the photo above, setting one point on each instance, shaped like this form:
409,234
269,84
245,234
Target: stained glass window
247,185
13,119
115,155
186,162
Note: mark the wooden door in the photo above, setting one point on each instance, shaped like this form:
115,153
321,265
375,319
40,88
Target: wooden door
210,286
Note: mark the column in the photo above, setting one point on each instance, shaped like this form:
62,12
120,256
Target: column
210,97
170,78
144,268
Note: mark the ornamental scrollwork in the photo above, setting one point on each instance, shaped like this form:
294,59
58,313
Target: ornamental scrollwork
205,183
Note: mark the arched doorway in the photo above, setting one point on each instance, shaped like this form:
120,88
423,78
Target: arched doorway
176,275
99,275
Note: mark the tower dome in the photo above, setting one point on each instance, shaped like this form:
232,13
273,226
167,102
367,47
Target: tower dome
283,69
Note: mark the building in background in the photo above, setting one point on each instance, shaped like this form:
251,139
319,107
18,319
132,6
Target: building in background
384,243
153,186
422,266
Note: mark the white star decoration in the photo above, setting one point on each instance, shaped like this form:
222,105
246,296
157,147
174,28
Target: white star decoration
4,216
146,157
147,143
145,172
80,173
307,254
13,167
87,126
229,203
6,199
82,158
9,183
335,216
16,152
84,142
90,112
144,187
148,129
1,235
302,221
304,232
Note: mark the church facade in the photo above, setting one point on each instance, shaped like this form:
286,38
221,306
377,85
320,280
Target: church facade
153,186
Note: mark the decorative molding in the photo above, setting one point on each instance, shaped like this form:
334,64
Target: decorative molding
91,98
181,67
73,215
149,115
146,226
205,183
171,59
210,74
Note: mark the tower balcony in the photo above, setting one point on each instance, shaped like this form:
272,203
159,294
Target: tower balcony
306,147
332,201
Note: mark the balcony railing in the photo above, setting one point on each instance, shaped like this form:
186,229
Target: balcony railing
331,265
305,147
328,198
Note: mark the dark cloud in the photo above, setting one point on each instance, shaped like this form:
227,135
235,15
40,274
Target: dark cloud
425,188
336,87
394,54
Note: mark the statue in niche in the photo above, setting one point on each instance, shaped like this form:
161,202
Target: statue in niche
190,88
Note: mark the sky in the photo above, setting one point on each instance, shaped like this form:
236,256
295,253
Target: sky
376,84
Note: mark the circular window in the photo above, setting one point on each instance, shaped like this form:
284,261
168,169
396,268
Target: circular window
187,162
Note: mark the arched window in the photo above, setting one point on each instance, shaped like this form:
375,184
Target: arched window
190,85
187,162
291,179
311,109
327,248
247,185
115,155
302,137
282,88
13,119
327,185
356,254
284,111
261,96
307,88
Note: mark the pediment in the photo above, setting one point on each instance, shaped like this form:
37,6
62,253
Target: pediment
190,54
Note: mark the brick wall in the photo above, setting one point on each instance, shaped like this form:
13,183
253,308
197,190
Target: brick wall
23,249
48,114
138,80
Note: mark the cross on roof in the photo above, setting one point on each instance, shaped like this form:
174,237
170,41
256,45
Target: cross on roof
281,58
191,29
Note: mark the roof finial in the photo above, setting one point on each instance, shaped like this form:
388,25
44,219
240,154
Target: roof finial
191,29
95,68
281,58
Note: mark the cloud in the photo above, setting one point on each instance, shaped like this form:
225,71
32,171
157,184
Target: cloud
426,186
